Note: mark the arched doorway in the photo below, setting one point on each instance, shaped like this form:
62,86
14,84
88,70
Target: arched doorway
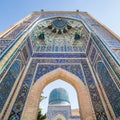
31,107
71,93
59,117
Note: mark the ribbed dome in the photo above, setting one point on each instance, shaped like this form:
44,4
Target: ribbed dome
59,96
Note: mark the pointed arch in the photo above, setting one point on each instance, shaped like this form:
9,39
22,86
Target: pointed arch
31,107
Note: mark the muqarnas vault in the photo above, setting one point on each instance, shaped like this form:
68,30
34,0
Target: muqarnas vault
49,45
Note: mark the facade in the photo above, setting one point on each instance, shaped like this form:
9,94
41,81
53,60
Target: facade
72,46
59,107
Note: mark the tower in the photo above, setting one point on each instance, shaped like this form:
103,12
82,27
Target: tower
49,45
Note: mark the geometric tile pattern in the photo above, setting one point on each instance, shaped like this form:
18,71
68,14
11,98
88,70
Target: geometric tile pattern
107,55
61,109
41,70
89,45
80,68
25,53
8,82
56,61
10,37
22,95
110,87
77,16
29,45
109,39
59,35
95,97
116,79
20,101
93,53
58,55
45,68
65,48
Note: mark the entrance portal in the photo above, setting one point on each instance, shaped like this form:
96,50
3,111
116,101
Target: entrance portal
31,107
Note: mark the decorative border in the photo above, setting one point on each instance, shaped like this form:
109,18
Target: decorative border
103,51
95,97
109,87
58,55
43,68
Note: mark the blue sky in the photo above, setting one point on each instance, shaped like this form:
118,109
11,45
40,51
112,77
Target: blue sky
106,11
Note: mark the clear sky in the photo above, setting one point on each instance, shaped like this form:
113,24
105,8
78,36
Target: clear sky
106,11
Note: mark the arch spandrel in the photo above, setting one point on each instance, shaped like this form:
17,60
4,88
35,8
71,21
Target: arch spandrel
31,108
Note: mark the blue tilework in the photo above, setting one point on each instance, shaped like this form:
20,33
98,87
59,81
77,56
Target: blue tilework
75,117
55,48
76,16
22,95
21,98
75,69
9,64
25,53
115,78
56,61
107,56
14,116
58,55
19,57
89,45
93,53
43,60
19,28
110,87
4,44
96,101
29,45
22,64
43,69
44,43
15,32
60,24
10,37
55,110
8,82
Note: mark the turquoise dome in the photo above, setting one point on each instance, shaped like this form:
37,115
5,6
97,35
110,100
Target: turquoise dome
59,96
